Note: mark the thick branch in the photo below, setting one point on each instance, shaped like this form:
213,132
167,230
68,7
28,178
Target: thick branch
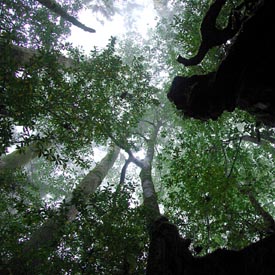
19,158
124,170
56,8
212,36
138,162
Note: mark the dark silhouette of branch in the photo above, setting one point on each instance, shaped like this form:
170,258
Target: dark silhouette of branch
149,122
141,135
138,162
212,36
56,8
268,219
265,139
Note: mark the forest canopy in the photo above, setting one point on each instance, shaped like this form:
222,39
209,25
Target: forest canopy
93,153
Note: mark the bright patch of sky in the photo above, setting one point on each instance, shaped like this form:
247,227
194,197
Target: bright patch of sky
138,18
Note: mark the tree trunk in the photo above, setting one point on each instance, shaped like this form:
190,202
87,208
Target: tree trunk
18,159
150,200
22,56
47,237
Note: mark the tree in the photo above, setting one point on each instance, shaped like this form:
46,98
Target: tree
45,238
186,189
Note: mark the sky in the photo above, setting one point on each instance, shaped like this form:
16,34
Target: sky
144,17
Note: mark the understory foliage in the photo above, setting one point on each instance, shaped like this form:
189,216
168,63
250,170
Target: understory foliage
214,180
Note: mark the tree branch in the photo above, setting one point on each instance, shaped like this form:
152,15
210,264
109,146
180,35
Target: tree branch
138,162
56,8
141,135
149,122
212,36
124,170
22,55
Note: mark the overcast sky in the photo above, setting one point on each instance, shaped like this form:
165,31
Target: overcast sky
144,17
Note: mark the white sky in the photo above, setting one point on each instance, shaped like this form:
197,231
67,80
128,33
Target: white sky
144,17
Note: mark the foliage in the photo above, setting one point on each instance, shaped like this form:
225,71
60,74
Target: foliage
206,168
81,103
108,237
21,212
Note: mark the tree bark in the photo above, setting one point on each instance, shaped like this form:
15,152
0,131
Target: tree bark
22,56
46,238
56,8
150,199
18,159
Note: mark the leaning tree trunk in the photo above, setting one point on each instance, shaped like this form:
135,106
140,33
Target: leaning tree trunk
20,158
47,237
22,56
150,201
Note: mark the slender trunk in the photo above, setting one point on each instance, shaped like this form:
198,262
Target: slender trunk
56,8
19,158
150,200
47,237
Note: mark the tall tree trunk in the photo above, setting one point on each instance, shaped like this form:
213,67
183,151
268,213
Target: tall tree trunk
150,200
56,8
19,158
47,237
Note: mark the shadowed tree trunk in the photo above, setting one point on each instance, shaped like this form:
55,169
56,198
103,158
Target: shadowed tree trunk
35,251
267,218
